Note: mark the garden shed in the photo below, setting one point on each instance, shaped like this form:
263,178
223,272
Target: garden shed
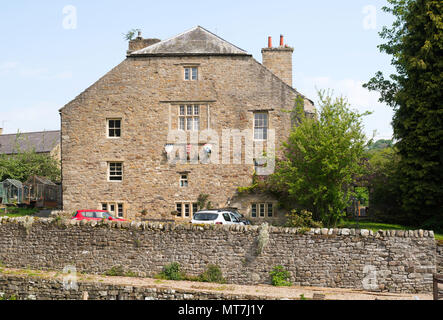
43,193
14,192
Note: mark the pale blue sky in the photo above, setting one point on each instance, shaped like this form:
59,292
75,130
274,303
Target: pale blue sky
43,66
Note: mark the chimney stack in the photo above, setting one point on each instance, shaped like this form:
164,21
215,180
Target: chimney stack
1,131
140,43
279,60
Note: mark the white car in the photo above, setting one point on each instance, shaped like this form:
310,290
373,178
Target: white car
215,217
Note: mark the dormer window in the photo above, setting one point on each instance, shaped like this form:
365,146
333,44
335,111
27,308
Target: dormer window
191,73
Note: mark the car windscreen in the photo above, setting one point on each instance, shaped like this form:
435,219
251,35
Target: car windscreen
205,216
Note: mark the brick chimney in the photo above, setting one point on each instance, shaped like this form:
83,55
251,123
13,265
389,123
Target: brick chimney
279,60
140,43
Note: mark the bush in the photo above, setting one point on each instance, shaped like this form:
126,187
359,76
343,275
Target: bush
280,277
212,274
172,272
302,219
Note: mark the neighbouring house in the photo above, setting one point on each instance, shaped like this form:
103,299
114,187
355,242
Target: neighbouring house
149,137
44,142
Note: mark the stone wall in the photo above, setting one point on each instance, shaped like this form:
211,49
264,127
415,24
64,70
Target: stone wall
146,93
440,257
24,287
394,261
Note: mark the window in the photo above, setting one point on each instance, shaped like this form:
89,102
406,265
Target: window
114,128
254,210
262,210
270,210
227,217
186,209
116,209
115,171
189,118
261,126
184,181
120,210
191,73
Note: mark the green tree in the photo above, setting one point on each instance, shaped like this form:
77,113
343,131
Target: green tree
415,42
25,163
323,158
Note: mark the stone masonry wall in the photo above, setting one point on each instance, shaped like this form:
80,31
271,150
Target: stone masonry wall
394,261
23,287
146,94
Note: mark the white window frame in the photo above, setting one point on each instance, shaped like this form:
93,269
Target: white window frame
184,180
258,210
262,125
117,205
110,163
193,208
190,73
108,128
189,121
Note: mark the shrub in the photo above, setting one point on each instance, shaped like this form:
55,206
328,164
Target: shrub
172,272
302,219
115,271
280,277
212,274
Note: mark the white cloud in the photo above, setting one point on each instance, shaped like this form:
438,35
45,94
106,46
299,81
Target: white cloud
358,97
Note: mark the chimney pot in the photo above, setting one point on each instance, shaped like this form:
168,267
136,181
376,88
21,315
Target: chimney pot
269,42
281,41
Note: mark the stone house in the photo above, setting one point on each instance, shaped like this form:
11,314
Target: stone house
155,133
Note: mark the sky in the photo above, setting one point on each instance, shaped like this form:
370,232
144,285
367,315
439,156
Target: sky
52,50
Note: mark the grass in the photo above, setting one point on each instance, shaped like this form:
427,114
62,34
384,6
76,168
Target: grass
375,226
20,212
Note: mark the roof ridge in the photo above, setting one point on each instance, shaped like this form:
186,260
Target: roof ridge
151,48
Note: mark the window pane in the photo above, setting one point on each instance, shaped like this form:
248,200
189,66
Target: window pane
189,124
196,110
187,74
254,210
120,210
262,210
194,73
182,110
189,110
187,209
179,207
104,206
182,123
270,210
197,124
115,171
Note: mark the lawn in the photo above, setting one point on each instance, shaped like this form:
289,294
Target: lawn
375,226
18,212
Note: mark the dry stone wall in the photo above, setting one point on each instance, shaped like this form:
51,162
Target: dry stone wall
394,261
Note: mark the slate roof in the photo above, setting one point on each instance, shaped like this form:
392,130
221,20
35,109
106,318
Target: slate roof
42,142
197,41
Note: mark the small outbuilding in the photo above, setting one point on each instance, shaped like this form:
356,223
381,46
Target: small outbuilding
43,193
14,192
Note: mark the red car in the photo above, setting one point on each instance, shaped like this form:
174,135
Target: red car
95,215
